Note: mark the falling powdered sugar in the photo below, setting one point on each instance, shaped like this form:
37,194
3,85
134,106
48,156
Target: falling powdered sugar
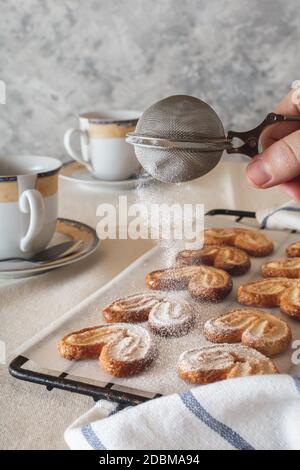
172,220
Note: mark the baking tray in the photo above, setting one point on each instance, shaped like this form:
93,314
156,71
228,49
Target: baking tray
37,361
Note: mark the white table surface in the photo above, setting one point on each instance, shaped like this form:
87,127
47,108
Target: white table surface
32,417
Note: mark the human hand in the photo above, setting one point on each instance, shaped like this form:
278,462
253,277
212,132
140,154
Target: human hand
279,163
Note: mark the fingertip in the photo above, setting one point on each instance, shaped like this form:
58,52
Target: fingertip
257,173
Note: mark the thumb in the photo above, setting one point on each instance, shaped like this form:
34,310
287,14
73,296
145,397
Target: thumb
279,163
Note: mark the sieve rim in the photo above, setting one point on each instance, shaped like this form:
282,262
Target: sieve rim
210,144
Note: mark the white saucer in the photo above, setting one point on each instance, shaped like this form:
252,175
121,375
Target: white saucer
66,229
74,171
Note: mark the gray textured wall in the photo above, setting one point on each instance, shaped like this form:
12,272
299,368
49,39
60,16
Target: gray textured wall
61,57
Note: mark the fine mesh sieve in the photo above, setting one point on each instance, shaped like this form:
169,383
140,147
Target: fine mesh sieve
181,138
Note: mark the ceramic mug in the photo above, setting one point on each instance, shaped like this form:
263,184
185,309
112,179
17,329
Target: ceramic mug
28,204
104,151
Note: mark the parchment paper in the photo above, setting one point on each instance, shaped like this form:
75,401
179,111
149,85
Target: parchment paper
161,377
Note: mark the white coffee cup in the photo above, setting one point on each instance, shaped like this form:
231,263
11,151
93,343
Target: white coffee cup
28,204
104,151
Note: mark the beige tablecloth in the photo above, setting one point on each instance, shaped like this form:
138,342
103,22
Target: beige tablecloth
31,416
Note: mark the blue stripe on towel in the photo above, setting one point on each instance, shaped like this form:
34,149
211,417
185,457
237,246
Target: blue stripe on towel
92,438
227,433
288,209
297,382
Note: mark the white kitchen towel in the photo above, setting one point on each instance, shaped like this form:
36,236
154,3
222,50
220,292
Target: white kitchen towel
285,217
259,412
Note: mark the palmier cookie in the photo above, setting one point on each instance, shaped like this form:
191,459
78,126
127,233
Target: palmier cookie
230,259
131,309
293,250
210,284
219,236
290,302
88,342
254,328
253,242
171,318
223,361
205,255
289,267
171,278
128,354
263,292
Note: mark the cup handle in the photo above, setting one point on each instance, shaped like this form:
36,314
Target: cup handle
32,202
67,143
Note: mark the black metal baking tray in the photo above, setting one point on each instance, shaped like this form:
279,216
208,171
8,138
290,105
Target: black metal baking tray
20,365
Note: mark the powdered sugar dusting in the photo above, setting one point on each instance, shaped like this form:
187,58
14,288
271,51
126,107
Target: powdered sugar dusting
222,356
170,196
135,344
161,376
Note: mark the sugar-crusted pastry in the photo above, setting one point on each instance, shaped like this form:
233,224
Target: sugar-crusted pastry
288,267
88,342
223,361
279,292
233,260
293,250
219,236
122,349
131,309
290,302
205,255
171,318
263,292
230,259
128,354
254,328
253,242
171,278
210,284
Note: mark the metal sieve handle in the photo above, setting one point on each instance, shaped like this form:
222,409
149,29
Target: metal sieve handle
251,138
